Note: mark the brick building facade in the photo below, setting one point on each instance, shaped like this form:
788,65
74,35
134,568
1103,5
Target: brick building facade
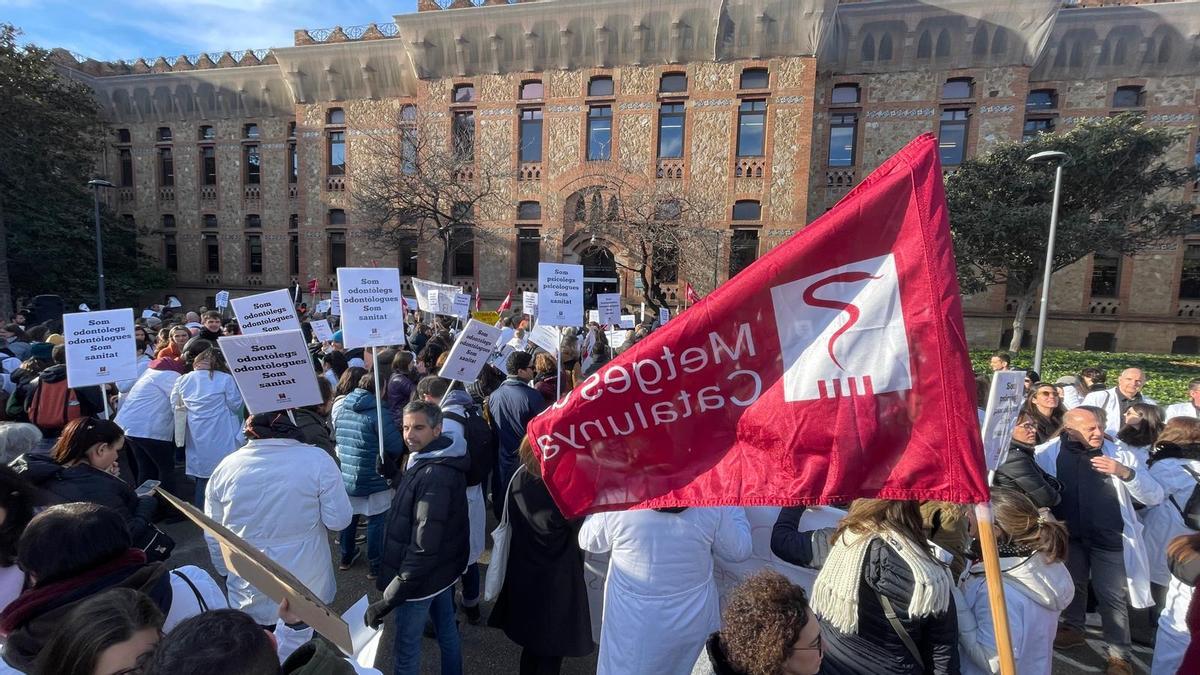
240,168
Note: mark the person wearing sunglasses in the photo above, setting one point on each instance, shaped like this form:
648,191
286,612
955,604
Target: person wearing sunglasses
1019,471
1044,406
767,628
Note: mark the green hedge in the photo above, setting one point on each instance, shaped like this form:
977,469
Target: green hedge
1167,374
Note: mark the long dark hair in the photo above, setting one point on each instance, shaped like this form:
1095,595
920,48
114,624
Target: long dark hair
1147,432
1047,425
349,380
17,498
101,621
80,435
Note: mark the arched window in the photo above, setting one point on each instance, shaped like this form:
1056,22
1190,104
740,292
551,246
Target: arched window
924,45
885,47
1000,42
335,116
943,44
747,209
1118,58
980,47
868,48
408,113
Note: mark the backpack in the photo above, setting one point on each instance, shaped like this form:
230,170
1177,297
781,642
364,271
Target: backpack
1191,510
53,405
482,444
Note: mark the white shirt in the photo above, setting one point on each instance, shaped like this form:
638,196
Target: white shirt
214,422
146,411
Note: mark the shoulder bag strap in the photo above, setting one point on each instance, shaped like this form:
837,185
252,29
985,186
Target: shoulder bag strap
890,613
507,492
196,591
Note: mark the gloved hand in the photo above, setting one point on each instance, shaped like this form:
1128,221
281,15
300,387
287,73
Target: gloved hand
376,612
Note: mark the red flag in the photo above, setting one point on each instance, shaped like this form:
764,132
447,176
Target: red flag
506,305
834,367
313,286
690,294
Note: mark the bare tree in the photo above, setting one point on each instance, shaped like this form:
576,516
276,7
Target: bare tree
427,180
662,228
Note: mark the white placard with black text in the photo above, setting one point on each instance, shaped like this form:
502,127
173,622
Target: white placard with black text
100,347
560,294
529,303
265,312
609,307
272,370
470,352
321,330
371,314
1004,404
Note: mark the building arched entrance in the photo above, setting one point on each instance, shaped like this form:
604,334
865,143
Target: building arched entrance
599,273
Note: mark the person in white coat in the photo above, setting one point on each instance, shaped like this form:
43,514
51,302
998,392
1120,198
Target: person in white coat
660,600
1037,587
1174,638
1100,482
148,418
1116,401
1176,453
1190,407
213,404
284,497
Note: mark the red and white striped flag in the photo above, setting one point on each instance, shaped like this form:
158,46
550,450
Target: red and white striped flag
507,304
476,299
690,293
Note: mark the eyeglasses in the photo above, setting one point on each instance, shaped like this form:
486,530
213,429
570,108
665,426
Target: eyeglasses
820,646
1028,426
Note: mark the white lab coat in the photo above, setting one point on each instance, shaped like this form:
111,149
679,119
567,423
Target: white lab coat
1071,397
1173,637
476,507
282,496
143,363
146,410
1141,487
660,601
1162,522
214,423
1108,400
1035,593
1185,409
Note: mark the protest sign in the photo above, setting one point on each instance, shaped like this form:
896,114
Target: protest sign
560,294
268,576
545,336
322,306
608,306
470,352
272,370
664,315
616,338
627,321
410,304
148,313
321,329
101,347
266,312
222,299
335,303
490,318
1003,407
506,334
366,639
445,296
529,303
500,358
461,306
371,314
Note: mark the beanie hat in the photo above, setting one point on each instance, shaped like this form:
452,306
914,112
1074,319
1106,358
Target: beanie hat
41,350
55,339
337,337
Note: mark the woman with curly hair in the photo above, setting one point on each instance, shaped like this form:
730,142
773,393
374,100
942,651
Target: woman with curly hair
768,630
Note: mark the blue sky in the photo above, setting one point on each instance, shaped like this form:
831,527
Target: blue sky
128,29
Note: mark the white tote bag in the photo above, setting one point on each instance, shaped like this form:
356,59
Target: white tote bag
501,537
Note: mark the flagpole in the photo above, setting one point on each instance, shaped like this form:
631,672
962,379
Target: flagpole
378,405
558,380
995,586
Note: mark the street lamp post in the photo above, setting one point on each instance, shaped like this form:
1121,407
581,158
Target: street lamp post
1059,159
96,184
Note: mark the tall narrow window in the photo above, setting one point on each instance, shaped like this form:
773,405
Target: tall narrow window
842,131
212,253
464,135
166,167
126,160
253,165
293,254
408,256
170,252
462,251
1189,280
208,165
337,251
599,138
254,254
1106,276
408,151
529,252
531,135
952,137
337,153
293,163
670,130
752,117
743,251
601,85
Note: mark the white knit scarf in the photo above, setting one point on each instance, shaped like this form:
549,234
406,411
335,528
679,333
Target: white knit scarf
835,592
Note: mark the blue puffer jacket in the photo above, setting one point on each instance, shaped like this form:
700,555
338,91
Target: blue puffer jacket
357,438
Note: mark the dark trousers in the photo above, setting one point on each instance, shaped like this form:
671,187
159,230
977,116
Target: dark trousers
1106,571
470,586
155,460
539,664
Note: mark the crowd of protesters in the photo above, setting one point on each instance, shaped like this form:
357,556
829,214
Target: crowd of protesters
1093,499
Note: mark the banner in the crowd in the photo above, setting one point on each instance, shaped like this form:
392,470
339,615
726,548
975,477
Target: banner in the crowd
222,299
266,312
268,576
101,347
272,370
335,303
545,336
560,294
460,306
321,330
664,315
834,367
1005,399
470,352
616,337
529,303
608,305
628,321
371,314
490,318
446,293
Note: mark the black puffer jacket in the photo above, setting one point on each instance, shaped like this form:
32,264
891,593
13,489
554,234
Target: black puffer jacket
427,541
1020,472
876,647
85,483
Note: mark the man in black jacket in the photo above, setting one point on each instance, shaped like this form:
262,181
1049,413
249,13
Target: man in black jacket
426,544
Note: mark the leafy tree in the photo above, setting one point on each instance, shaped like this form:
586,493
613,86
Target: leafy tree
1119,197
49,144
